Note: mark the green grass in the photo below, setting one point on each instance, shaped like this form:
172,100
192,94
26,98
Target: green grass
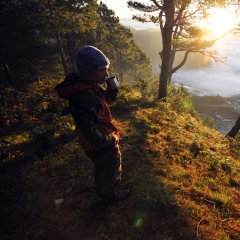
183,176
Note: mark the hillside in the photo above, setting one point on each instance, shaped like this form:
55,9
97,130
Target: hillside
183,177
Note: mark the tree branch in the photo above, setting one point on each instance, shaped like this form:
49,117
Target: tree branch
142,7
208,54
161,20
180,13
157,5
182,63
179,33
229,31
193,13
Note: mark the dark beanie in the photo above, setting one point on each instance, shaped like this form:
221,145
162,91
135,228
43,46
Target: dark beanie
90,59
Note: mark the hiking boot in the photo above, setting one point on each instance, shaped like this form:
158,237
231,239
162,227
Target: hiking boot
119,196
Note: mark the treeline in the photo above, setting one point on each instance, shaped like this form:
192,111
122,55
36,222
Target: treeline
39,39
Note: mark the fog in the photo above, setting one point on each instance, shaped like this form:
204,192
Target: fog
219,79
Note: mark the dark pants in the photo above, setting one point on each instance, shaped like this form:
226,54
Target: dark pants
107,173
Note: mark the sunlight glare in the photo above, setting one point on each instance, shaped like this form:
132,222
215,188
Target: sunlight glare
220,22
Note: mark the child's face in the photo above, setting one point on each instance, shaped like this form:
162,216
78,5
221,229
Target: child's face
99,76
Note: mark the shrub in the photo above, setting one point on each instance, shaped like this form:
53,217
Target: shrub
179,99
208,122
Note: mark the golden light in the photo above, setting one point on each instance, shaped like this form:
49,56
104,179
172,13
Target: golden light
220,21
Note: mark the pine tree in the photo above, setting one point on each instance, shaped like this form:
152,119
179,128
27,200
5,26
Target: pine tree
119,45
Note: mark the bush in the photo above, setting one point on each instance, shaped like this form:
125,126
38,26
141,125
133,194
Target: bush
179,99
208,122
33,120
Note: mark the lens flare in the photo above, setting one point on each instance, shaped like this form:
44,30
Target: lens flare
220,21
139,222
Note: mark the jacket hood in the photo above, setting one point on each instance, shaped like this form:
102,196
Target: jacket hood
71,84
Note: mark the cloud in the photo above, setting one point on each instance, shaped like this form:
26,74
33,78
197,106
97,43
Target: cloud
219,79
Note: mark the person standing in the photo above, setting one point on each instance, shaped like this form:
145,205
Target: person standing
89,106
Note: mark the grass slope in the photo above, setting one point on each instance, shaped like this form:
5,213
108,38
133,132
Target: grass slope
184,177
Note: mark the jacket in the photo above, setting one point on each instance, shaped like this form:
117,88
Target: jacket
92,116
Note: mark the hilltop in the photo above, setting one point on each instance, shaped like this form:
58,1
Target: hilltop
184,176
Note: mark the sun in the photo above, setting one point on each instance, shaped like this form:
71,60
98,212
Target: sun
220,21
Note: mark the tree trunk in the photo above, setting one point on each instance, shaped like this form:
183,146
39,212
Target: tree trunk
167,45
6,69
121,67
234,131
61,52
118,63
172,58
73,68
39,77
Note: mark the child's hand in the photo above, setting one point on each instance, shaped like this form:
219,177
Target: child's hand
116,138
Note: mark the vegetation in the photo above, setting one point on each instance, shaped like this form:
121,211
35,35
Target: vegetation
183,176
40,38
180,31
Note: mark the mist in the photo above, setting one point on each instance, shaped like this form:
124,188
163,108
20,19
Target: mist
219,78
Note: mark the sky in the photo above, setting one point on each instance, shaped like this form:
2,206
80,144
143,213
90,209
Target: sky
219,79
125,14
119,7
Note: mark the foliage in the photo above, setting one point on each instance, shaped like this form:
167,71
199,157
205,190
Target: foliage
208,121
179,99
142,85
214,100
40,39
34,118
238,137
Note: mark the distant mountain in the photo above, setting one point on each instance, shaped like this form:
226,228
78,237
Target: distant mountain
150,41
136,24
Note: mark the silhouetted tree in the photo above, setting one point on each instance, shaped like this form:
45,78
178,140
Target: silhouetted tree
234,131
